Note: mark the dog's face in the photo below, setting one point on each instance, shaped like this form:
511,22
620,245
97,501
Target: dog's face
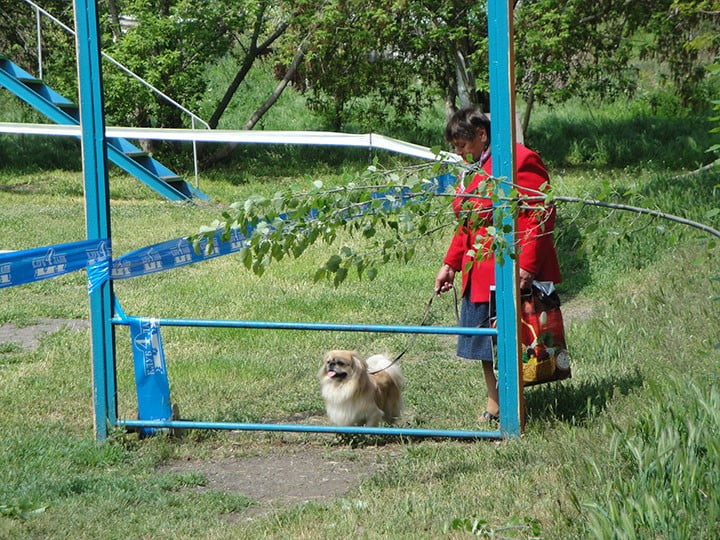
339,366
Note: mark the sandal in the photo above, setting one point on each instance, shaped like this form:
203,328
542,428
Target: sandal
489,417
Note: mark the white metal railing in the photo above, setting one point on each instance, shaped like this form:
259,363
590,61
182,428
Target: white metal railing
39,12
243,136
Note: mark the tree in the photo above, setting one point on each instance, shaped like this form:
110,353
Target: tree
572,48
358,61
367,55
404,52
184,38
265,31
19,41
18,36
686,35
170,45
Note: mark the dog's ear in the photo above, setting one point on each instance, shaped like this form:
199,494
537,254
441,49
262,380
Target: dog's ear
323,366
357,361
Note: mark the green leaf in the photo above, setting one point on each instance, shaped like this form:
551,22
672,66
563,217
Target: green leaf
333,263
299,247
246,257
340,276
262,228
320,274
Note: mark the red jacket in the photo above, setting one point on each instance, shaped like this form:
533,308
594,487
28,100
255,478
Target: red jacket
533,233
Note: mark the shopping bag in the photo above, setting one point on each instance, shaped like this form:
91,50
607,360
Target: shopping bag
545,357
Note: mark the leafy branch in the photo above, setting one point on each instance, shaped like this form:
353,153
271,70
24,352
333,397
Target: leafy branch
382,215
646,211
390,217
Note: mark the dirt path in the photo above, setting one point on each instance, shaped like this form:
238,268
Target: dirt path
282,477
28,337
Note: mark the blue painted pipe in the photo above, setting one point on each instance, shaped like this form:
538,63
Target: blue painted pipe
273,325
410,432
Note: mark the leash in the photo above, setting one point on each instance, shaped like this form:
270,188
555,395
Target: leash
412,339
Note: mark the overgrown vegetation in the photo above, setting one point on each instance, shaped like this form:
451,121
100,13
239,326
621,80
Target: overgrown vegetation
626,448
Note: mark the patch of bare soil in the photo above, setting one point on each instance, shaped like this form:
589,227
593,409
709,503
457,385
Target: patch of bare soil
576,311
284,477
28,337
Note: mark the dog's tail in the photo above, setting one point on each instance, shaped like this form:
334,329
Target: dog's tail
382,362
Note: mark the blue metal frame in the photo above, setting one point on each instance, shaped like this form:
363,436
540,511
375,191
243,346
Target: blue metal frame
502,137
97,209
308,428
98,226
336,327
154,393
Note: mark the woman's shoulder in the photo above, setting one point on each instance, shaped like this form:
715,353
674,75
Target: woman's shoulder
523,154
524,151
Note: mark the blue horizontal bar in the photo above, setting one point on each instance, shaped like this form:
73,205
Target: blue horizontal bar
410,432
272,325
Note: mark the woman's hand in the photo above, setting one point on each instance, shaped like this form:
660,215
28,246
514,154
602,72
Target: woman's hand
445,278
526,280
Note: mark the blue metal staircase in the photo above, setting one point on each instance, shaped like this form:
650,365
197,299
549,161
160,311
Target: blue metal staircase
120,151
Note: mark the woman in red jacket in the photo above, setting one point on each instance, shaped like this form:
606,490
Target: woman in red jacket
470,250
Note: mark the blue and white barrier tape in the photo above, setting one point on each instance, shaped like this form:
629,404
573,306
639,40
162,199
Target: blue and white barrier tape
27,266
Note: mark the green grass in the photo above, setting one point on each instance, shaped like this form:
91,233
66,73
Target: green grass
623,136
627,448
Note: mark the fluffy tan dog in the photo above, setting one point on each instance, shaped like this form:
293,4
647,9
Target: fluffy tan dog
354,395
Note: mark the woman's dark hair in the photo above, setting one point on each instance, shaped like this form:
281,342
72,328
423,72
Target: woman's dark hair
465,124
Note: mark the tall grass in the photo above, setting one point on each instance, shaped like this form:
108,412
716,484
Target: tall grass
666,467
624,449
624,136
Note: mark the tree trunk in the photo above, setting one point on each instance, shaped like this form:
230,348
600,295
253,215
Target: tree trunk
529,101
227,149
464,80
529,98
234,85
254,51
450,107
289,74
114,20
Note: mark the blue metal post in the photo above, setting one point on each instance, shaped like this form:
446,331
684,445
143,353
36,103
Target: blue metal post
97,209
502,109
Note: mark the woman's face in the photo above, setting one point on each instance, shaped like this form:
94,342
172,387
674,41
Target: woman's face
474,147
